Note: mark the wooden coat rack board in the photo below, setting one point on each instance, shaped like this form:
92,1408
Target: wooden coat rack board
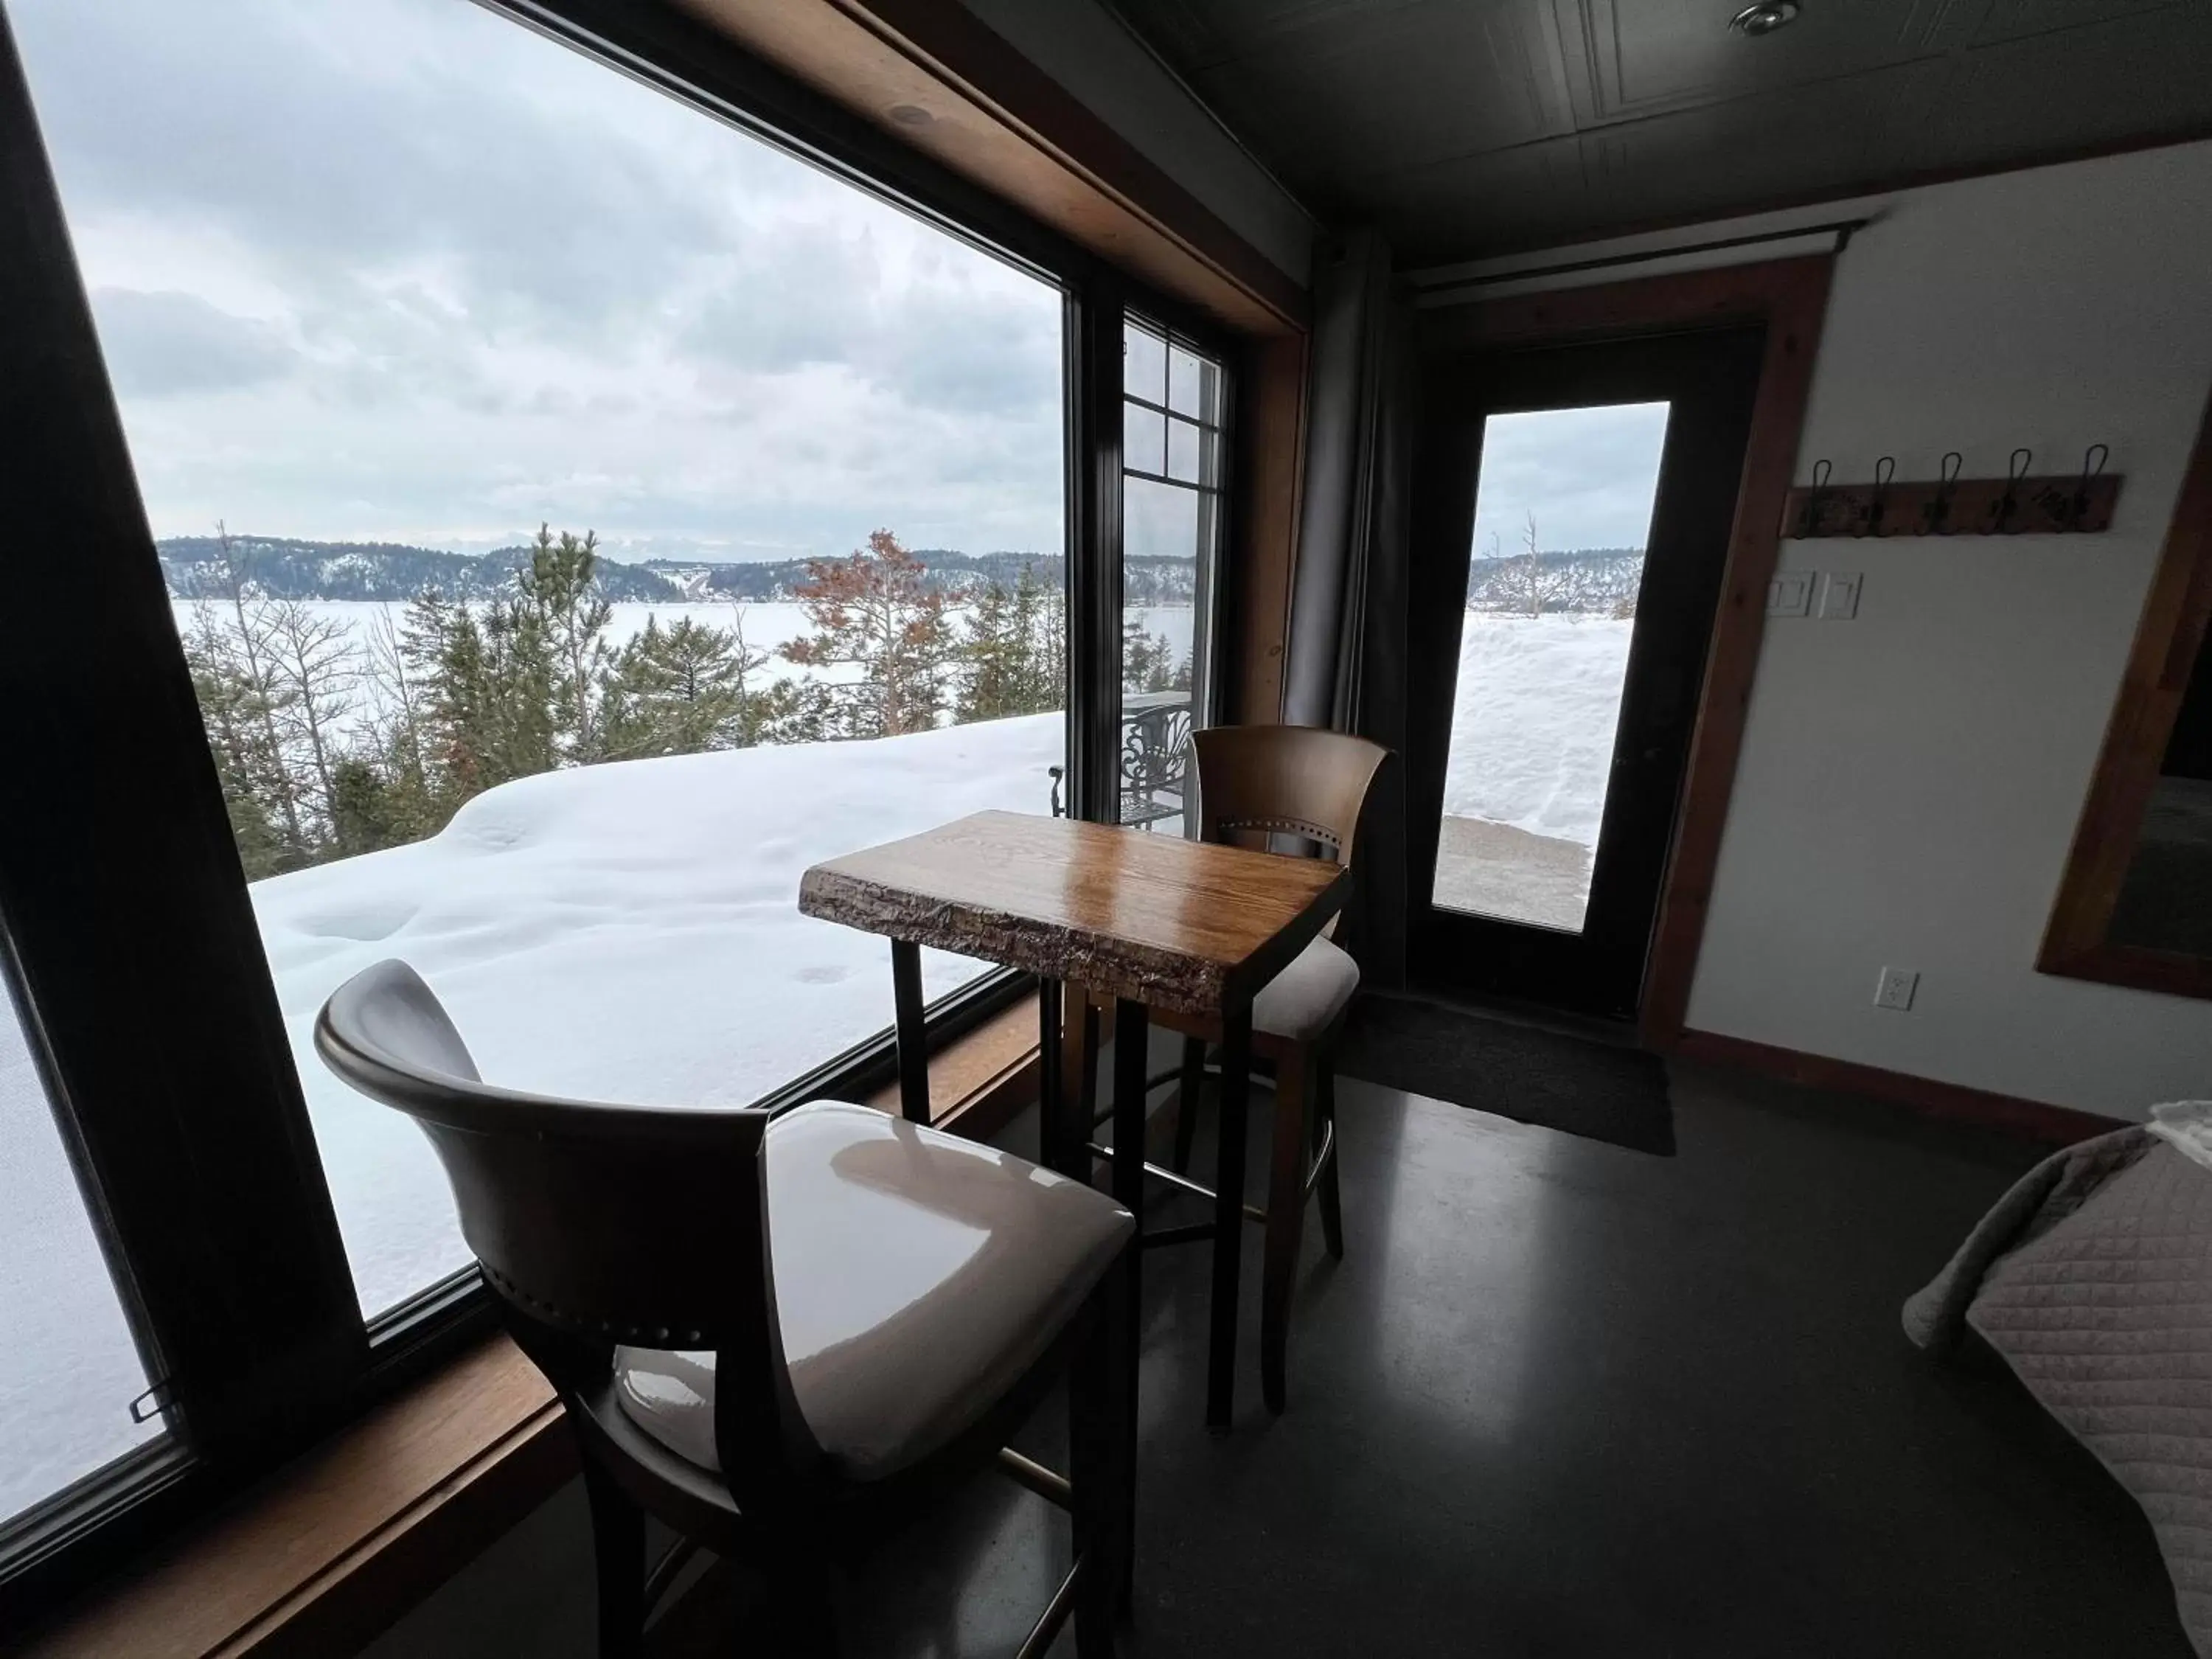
2079,504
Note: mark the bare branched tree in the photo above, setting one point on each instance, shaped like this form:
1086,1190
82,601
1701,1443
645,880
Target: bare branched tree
320,668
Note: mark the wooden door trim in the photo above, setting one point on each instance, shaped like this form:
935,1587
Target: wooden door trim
2177,611
1790,297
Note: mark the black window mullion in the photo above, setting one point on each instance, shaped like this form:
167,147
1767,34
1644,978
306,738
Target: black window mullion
1094,507
123,896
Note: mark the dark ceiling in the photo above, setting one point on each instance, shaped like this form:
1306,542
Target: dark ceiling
1466,127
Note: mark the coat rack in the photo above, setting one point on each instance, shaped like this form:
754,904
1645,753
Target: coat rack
2053,505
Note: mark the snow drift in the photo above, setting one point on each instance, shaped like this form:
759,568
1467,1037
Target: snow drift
1532,721
626,932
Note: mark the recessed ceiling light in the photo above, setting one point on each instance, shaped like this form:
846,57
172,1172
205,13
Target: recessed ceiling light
1765,18
913,115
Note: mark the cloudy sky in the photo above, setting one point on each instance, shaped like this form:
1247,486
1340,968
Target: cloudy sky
401,269
1587,474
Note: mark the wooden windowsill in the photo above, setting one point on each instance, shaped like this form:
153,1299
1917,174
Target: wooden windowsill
338,1545
321,1558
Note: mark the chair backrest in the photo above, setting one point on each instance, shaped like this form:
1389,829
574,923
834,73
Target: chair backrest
595,1223
1259,783
620,1224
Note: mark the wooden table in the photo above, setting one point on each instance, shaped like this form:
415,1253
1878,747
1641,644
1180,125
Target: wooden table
1150,920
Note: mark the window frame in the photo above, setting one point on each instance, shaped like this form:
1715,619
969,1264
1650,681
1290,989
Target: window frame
255,1333
1208,629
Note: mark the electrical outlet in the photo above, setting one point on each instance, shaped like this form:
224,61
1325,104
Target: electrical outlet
1789,593
1895,989
1839,596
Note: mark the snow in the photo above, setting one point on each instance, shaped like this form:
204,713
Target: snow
626,932
68,1370
1532,721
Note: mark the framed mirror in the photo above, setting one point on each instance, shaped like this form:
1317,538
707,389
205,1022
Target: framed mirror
2134,907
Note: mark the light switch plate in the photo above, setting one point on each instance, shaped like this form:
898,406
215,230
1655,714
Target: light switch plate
1789,593
1839,595
1895,989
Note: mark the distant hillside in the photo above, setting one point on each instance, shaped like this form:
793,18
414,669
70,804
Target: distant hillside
1596,579
286,568
283,568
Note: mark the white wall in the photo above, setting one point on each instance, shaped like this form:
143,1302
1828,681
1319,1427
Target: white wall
1910,781
1087,50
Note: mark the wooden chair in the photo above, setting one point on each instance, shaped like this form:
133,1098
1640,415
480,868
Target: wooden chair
773,1335
1296,789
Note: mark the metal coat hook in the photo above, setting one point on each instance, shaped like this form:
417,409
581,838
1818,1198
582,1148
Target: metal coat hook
1884,470
1821,472
2024,502
1938,511
2009,503
2093,463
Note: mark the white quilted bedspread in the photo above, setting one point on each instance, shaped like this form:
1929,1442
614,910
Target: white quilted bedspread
2092,1277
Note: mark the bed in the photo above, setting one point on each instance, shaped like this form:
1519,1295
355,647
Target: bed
2092,1277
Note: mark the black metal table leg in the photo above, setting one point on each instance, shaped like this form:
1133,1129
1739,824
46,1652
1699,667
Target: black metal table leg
1052,1149
1131,1046
912,1031
1228,1216
1082,1112
1131,1025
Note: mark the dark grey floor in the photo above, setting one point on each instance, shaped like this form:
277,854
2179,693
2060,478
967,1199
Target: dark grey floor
1562,1398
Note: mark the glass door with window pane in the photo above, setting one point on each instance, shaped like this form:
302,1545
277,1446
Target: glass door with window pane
1571,514
1560,523
1174,403
580,516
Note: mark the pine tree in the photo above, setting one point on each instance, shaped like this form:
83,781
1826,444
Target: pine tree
248,767
1042,619
1148,661
409,803
676,691
995,658
368,810
487,679
1014,651
876,610
559,584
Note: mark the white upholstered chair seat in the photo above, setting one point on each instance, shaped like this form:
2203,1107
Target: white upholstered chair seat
1299,1002
918,1276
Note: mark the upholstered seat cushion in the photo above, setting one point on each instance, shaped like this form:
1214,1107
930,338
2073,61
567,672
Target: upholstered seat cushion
1300,1000
917,1277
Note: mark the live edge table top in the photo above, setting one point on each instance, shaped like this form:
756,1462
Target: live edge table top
1174,924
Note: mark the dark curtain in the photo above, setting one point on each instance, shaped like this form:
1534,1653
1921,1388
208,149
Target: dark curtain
1347,662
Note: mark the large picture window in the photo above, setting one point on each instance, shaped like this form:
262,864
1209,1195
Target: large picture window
511,515
69,1371
578,518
